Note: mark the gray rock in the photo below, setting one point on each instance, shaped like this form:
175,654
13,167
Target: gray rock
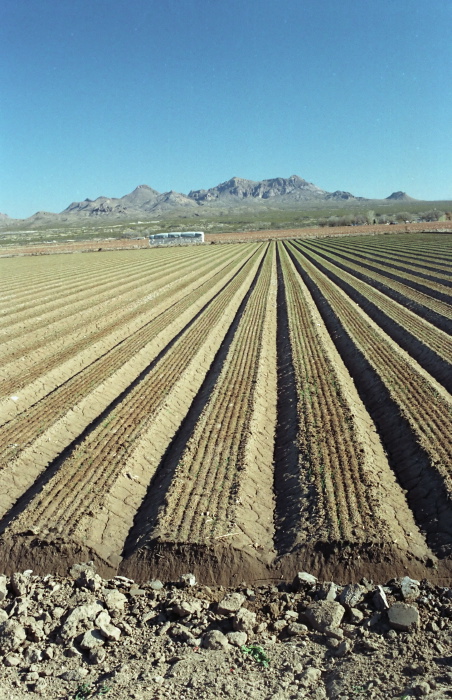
215,640
114,600
155,585
279,625
3,615
231,603
12,660
343,649
109,631
355,616
188,580
403,617
334,632
187,607
326,613
182,633
90,580
12,635
327,591
79,615
303,579
379,599
237,639
21,584
352,595
3,587
76,674
409,588
244,621
92,639
97,655
311,676
296,629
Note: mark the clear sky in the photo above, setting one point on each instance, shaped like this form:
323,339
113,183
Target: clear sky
99,96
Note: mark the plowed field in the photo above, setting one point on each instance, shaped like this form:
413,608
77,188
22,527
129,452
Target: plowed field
241,411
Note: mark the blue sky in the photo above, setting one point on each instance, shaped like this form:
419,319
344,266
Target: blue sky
98,97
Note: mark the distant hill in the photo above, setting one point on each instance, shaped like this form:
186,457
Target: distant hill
236,194
401,197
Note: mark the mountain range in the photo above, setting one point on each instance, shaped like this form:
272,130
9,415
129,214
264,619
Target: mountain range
236,193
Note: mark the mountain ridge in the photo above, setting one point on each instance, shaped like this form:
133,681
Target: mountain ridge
236,193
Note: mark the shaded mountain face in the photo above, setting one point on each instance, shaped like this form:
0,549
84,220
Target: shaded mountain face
237,188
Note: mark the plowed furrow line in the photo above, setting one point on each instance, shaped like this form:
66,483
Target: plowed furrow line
441,271
40,316
431,289
174,284
88,473
127,286
434,311
424,403
72,274
209,473
19,432
330,456
395,262
410,329
404,246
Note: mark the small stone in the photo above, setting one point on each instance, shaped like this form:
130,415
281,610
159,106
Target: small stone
379,599
92,639
72,653
244,621
296,629
32,676
326,613
343,649
327,591
90,580
3,615
231,603
21,584
311,676
352,595
355,616
12,635
12,660
279,625
237,639
109,631
403,617
334,632
421,689
75,674
79,615
303,579
114,600
409,588
156,585
97,655
3,587
215,640
188,580
33,655
187,607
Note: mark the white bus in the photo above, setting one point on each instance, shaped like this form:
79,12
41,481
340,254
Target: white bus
175,237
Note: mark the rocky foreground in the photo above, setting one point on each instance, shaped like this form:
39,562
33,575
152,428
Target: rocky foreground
84,637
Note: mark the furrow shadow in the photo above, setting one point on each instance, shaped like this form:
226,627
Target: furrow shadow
432,362
425,489
53,467
147,515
